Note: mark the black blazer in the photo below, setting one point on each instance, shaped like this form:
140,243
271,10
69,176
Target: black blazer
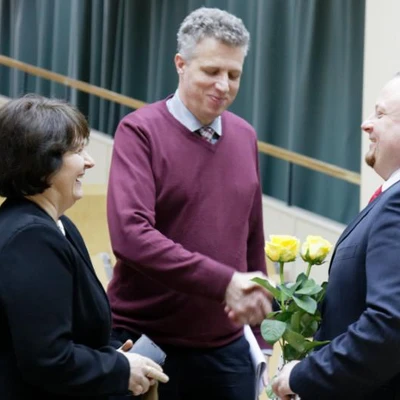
55,320
361,312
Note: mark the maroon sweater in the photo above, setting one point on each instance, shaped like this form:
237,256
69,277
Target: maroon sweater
183,215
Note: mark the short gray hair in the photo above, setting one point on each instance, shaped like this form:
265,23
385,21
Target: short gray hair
214,23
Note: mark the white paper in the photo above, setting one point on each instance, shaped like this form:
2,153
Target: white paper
258,360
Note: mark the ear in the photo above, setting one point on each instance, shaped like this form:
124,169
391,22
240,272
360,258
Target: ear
180,63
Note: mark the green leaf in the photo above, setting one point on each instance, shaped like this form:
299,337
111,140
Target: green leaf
286,293
289,353
288,289
306,303
301,277
309,287
283,316
309,325
293,285
307,319
310,345
292,307
295,321
265,283
273,314
296,340
272,330
321,295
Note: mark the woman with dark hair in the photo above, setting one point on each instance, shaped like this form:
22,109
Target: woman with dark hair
55,319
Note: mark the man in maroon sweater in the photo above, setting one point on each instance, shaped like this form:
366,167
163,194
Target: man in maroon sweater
185,219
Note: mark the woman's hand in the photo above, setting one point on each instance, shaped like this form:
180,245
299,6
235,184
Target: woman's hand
126,346
144,373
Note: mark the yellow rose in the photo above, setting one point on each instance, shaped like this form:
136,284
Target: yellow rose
315,249
282,248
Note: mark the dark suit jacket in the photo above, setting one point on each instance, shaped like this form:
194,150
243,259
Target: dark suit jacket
361,312
55,319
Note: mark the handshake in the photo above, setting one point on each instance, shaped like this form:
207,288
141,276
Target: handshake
247,302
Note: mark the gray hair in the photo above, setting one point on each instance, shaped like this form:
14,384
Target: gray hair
214,23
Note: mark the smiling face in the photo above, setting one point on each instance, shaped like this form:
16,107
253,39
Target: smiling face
383,128
209,81
66,183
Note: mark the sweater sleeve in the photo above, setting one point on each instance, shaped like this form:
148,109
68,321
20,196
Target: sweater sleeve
37,297
131,203
256,242
255,245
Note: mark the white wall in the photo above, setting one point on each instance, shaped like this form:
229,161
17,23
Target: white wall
381,62
100,148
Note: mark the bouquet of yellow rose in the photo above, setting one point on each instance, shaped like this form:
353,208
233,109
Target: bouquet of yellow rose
298,317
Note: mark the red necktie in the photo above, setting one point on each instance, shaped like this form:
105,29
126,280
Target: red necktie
376,194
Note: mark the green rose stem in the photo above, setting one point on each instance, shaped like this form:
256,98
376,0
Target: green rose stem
309,269
282,346
281,264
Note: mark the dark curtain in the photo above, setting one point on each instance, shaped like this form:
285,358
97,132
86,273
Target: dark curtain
301,88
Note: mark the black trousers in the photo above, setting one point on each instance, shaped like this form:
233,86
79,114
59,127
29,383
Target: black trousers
223,373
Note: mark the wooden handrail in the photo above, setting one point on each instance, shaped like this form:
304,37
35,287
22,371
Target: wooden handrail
74,83
311,163
269,149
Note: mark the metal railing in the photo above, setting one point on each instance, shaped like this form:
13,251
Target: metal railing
265,148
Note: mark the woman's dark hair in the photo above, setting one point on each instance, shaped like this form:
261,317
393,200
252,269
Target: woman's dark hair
35,133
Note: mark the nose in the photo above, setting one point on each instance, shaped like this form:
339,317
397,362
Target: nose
222,83
89,162
367,125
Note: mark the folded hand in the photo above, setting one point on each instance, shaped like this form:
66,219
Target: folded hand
143,373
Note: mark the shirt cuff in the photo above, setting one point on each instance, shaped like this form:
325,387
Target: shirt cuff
267,352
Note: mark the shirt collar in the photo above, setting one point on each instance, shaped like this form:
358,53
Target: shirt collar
186,118
391,181
61,226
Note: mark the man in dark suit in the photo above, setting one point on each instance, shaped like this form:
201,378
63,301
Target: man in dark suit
361,311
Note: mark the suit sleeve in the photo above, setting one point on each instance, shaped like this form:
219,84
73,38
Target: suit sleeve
131,218
364,357
37,295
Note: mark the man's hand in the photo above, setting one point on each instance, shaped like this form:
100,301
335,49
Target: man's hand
247,302
280,383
